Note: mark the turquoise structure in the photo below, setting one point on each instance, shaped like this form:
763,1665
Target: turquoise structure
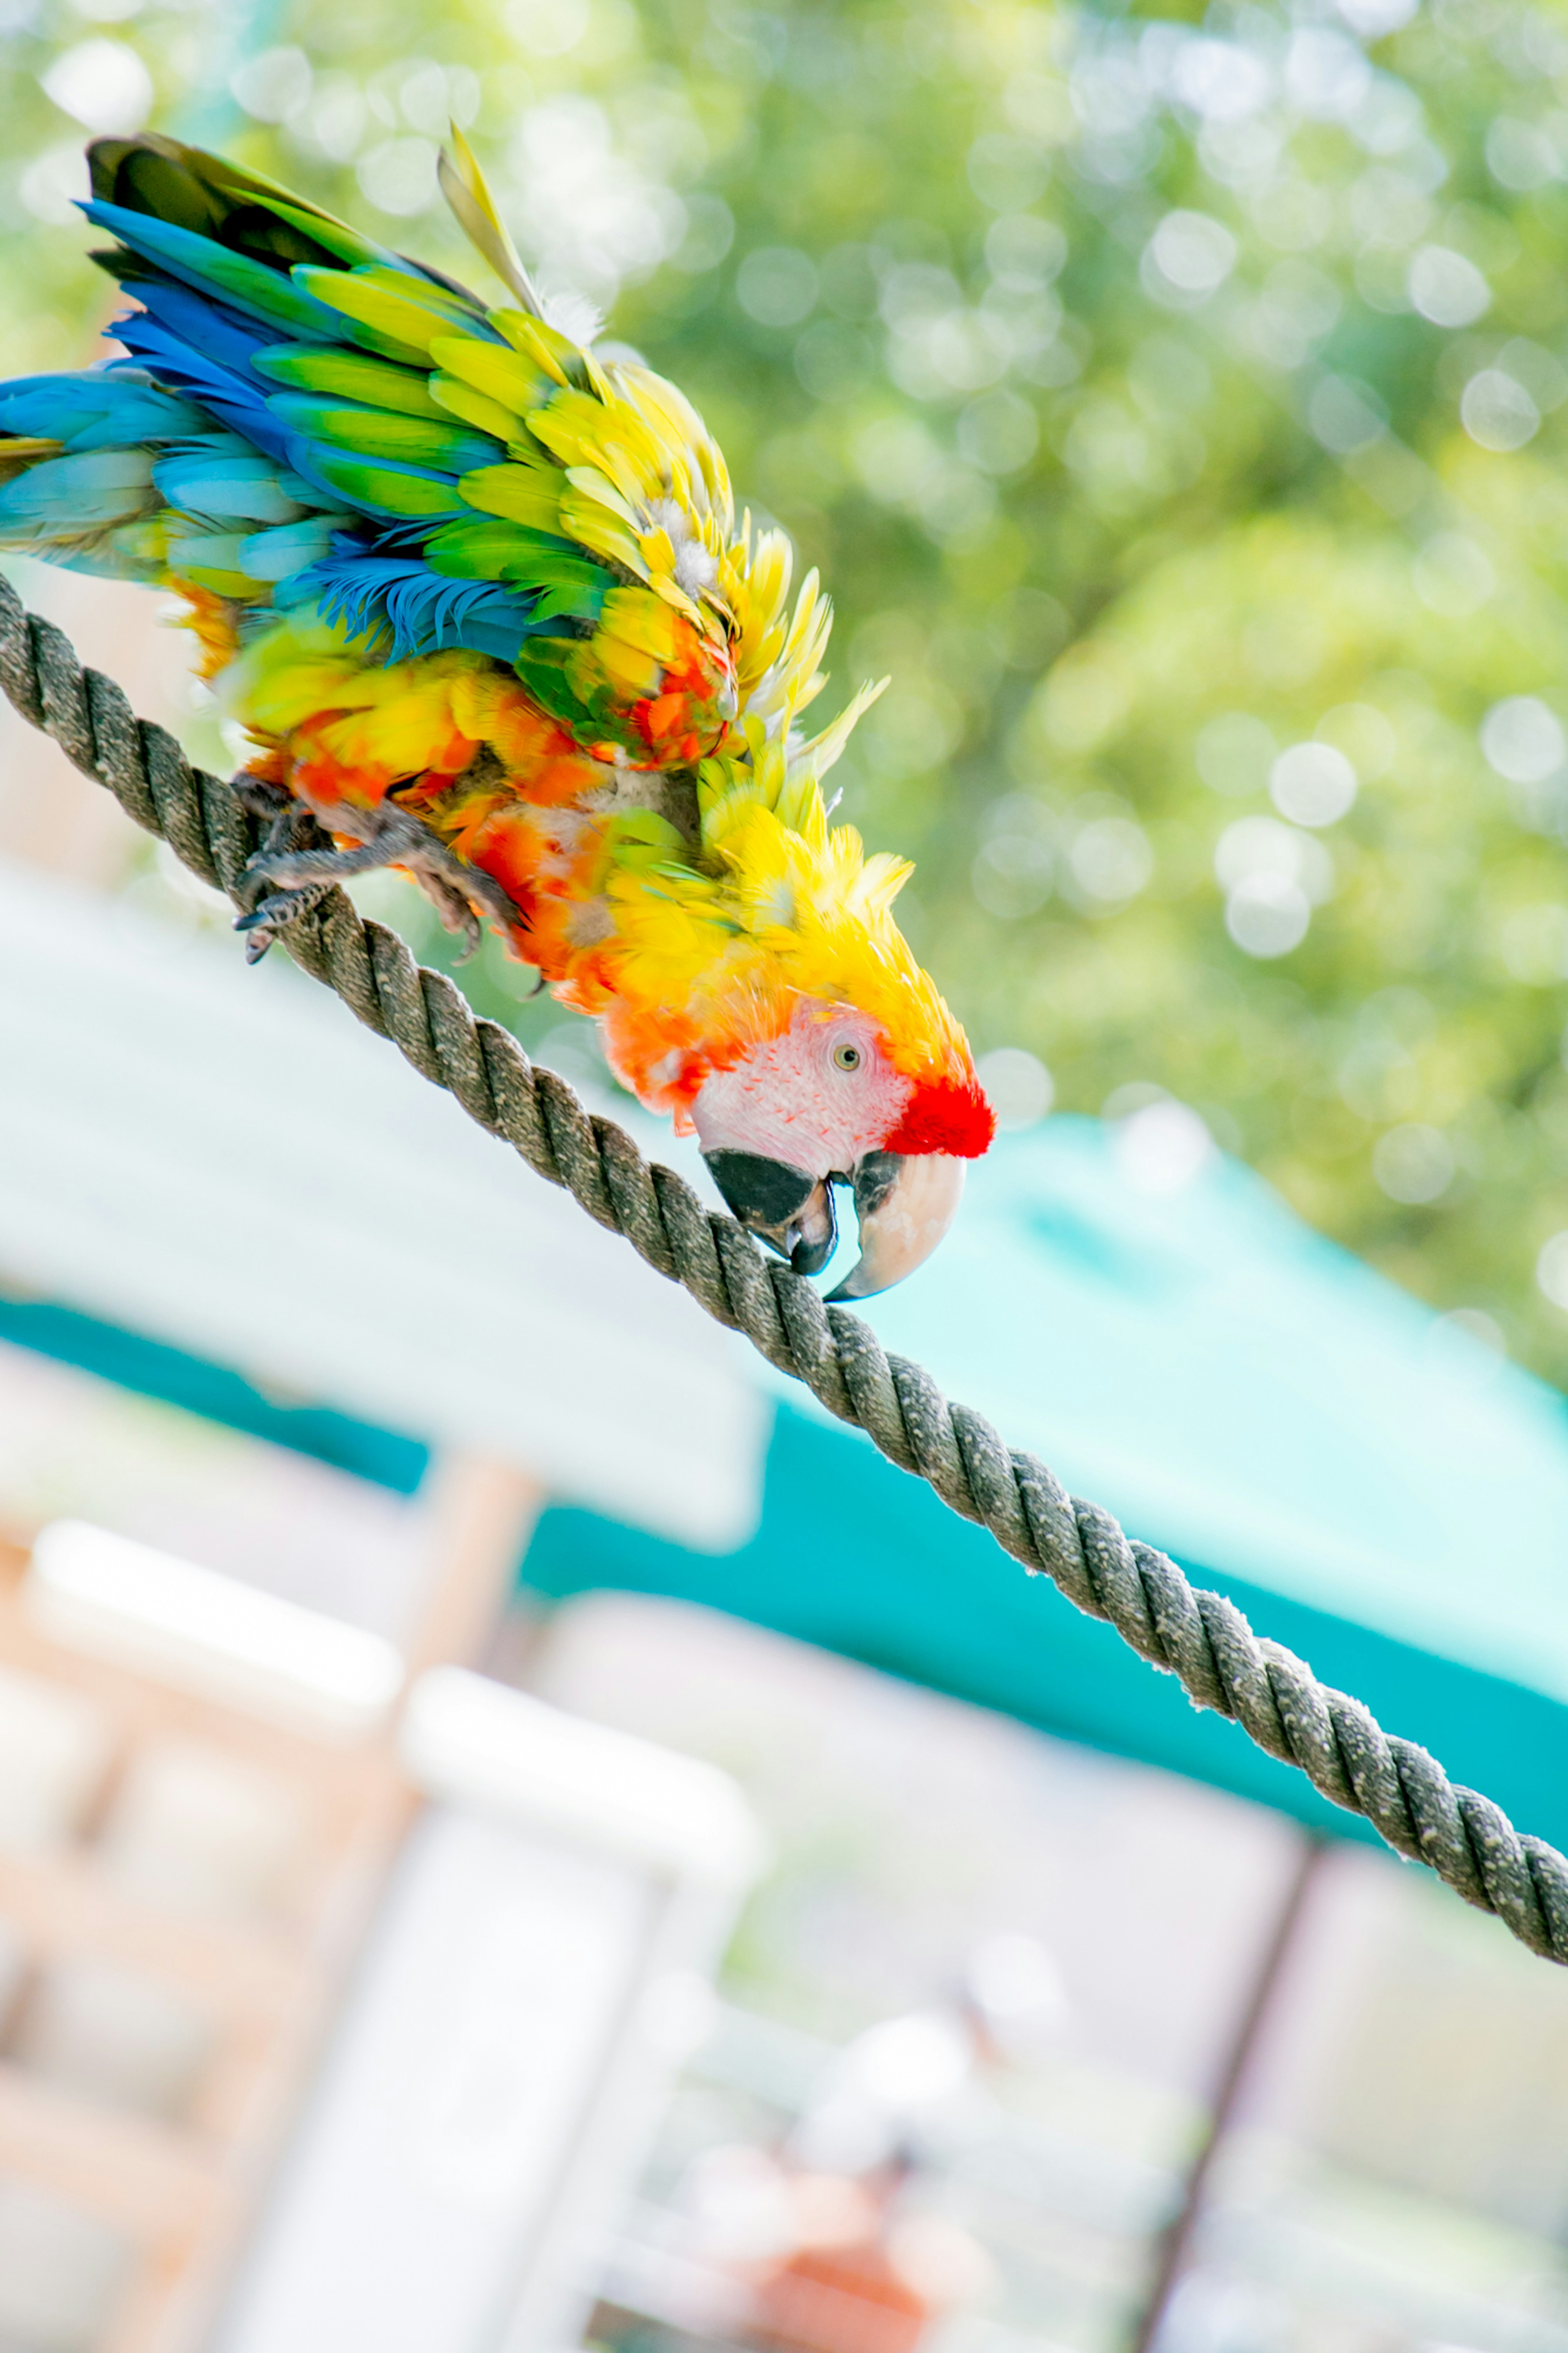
1370,1483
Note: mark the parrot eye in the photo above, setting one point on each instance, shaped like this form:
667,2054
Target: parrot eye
847,1057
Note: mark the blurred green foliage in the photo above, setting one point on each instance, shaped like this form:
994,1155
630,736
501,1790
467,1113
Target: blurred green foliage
1176,406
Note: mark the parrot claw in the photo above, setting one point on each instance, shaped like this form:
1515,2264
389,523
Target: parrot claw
395,838
454,912
290,827
264,922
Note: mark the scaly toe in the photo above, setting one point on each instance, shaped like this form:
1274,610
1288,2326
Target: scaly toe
280,908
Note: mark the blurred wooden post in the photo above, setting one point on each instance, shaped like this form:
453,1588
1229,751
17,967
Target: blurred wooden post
480,1515
1175,2243
182,2193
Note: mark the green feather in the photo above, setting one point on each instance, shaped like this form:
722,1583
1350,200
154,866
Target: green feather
258,289
242,210
400,324
525,494
541,666
150,174
507,551
377,433
464,310
211,268
641,837
576,600
352,376
386,489
351,249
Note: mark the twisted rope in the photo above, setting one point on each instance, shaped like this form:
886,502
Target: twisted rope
1199,1637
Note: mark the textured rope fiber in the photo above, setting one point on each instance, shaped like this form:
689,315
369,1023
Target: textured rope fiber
1198,1636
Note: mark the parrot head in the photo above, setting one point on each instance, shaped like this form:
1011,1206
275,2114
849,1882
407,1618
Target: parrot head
825,1101
776,1009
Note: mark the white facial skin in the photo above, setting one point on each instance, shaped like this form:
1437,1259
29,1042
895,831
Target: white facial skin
816,1097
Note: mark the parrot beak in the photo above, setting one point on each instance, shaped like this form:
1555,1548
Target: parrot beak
786,1208
905,1205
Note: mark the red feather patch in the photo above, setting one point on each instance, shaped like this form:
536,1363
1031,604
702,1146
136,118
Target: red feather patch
946,1116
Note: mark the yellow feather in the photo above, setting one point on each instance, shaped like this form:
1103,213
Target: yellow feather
583,519
554,353
464,188
504,376
475,407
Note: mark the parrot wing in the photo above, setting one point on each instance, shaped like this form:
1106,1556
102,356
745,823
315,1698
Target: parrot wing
307,419
492,486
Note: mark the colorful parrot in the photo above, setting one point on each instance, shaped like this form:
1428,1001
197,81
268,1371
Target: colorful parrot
478,599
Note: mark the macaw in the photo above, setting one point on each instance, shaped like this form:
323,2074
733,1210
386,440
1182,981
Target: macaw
477,598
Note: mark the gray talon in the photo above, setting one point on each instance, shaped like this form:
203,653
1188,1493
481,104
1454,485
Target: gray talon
263,924
282,907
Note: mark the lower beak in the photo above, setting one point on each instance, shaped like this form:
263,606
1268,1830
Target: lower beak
786,1208
904,1206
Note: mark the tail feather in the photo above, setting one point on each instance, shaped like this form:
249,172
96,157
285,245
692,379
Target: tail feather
242,210
19,453
250,287
100,486
209,198
103,410
71,492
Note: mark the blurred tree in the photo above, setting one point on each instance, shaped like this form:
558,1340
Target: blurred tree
1176,406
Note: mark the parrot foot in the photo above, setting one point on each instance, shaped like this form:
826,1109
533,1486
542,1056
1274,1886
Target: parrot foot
262,799
263,924
453,907
290,827
392,837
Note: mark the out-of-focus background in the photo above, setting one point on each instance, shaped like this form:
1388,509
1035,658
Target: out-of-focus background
514,1831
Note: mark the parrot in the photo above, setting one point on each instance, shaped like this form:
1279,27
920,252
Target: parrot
473,590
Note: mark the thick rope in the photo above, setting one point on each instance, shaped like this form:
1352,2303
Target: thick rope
1200,1636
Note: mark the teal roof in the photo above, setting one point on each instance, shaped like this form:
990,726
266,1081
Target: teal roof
1372,1487
1371,1484
1250,1397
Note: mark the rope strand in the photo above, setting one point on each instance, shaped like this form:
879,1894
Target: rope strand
1197,1636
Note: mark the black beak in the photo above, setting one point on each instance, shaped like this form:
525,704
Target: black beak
786,1208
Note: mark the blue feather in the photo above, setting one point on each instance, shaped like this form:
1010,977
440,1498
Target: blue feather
279,553
249,286
72,496
423,612
96,411
226,397
221,475
201,323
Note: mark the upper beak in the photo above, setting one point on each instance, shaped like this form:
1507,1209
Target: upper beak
904,1206
786,1208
